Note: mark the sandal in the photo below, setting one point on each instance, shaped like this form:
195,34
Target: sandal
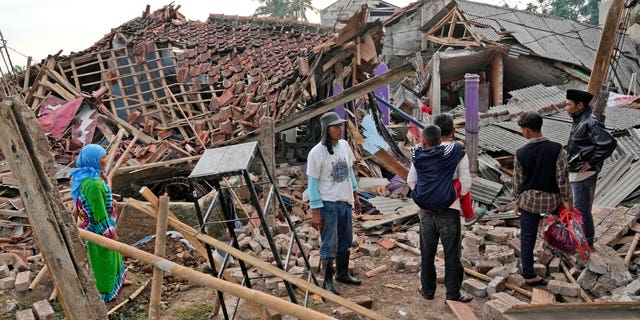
464,297
480,212
541,281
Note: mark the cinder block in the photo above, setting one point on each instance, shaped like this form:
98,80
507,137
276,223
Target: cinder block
23,279
507,299
397,263
372,250
283,228
475,287
554,265
43,310
564,288
502,271
412,266
539,269
516,280
515,245
472,240
25,315
545,257
498,237
494,309
587,279
7,283
484,266
496,285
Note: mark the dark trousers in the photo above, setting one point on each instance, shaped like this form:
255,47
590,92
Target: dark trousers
583,192
529,222
443,225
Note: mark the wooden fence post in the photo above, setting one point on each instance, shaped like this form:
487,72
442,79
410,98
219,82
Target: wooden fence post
161,240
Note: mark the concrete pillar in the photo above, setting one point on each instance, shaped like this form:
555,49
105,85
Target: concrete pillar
472,82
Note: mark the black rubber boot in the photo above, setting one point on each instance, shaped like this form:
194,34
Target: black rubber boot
342,267
327,269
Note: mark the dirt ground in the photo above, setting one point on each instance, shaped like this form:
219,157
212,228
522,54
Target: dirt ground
394,295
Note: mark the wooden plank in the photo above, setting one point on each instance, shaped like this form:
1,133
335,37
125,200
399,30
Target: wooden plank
351,93
461,310
262,265
621,226
575,311
13,213
634,243
542,297
405,212
57,235
390,163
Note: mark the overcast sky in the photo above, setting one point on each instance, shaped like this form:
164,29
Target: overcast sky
41,27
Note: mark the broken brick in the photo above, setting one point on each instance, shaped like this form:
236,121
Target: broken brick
475,287
563,288
23,279
372,250
43,310
25,315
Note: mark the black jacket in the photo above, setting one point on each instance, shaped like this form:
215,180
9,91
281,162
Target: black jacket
588,142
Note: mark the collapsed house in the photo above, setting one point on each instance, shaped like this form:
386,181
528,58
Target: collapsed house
511,49
160,89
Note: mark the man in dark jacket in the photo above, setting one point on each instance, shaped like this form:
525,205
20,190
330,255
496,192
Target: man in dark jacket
540,185
589,145
434,193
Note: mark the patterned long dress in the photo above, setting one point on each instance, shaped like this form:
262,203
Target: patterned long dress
97,214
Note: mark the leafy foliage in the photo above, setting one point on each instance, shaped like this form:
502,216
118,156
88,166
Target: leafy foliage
295,9
577,10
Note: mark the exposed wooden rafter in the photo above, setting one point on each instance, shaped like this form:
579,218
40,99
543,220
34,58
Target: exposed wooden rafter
439,33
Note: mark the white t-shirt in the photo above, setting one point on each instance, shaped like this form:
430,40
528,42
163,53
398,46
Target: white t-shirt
332,171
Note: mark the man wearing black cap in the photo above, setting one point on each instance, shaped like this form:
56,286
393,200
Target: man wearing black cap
589,145
332,190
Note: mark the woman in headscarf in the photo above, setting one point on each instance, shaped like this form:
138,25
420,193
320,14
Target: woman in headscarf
97,214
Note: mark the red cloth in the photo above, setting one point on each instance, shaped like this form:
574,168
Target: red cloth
466,204
426,109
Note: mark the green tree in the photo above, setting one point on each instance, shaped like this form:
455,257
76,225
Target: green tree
299,9
274,8
577,10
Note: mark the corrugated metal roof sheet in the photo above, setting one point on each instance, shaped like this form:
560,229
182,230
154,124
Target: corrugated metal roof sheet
484,190
534,98
388,205
616,191
552,37
494,138
488,33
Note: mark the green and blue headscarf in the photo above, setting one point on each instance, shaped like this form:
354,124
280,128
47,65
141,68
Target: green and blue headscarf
88,164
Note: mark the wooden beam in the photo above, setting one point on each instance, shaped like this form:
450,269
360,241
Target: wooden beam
26,150
262,265
199,278
160,248
327,104
187,232
461,310
606,46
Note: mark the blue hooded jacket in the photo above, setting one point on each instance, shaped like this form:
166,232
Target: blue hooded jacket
435,167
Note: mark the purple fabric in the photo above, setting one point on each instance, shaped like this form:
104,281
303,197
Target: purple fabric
337,89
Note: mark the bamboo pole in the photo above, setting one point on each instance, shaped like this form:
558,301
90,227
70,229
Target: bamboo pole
634,243
36,281
583,294
187,232
115,146
291,278
161,241
199,278
134,295
468,271
122,158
